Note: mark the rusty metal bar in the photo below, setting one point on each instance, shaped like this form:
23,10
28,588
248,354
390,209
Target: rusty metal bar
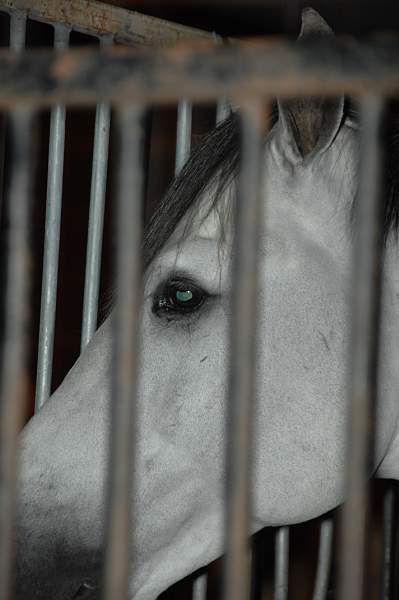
242,359
249,70
183,134
15,327
389,543
282,550
363,354
130,124
324,560
144,4
51,239
98,18
96,216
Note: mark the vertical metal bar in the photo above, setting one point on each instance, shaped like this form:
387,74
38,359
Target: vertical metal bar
324,560
15,338
96,216
17,43
130,124
222,107
51,239
3,129
199,587
18,30
389,544
222,110
366,280
242,360
282,563
183,134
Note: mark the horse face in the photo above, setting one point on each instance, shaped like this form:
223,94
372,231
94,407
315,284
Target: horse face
300,410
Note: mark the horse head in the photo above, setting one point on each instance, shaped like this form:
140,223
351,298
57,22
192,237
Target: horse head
310,162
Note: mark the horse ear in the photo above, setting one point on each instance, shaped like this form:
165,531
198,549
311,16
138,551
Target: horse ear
312,123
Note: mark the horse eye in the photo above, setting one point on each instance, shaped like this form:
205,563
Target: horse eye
179,296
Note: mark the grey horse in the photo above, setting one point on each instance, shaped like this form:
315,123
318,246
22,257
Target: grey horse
310,163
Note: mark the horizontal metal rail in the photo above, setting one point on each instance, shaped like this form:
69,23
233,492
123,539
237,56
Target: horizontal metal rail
202,72
98,18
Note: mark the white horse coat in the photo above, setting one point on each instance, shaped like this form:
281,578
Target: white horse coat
301,379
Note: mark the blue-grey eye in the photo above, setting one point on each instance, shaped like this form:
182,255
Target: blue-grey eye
184,296
179,296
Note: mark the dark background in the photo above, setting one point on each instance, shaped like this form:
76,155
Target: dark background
226,17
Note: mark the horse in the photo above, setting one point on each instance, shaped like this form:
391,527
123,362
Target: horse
310,160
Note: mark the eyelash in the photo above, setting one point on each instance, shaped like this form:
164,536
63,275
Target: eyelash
166,300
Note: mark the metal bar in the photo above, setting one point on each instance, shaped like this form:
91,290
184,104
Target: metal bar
15,338
242,359
183,134
128,273
199,587
144,4
3,129
51,239
98,18
17,30
366,278
277,4
389,544
222,110
17,44
96,217
249,70
324,560
282,563
222,107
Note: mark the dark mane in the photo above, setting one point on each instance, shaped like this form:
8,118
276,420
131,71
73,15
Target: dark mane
391,222
217,154
217,158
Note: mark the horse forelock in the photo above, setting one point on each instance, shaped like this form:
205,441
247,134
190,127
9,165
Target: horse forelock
204,182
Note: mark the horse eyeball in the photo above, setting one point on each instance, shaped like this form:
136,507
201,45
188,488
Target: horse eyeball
184,296
179,296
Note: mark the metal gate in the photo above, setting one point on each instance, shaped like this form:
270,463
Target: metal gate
129,81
